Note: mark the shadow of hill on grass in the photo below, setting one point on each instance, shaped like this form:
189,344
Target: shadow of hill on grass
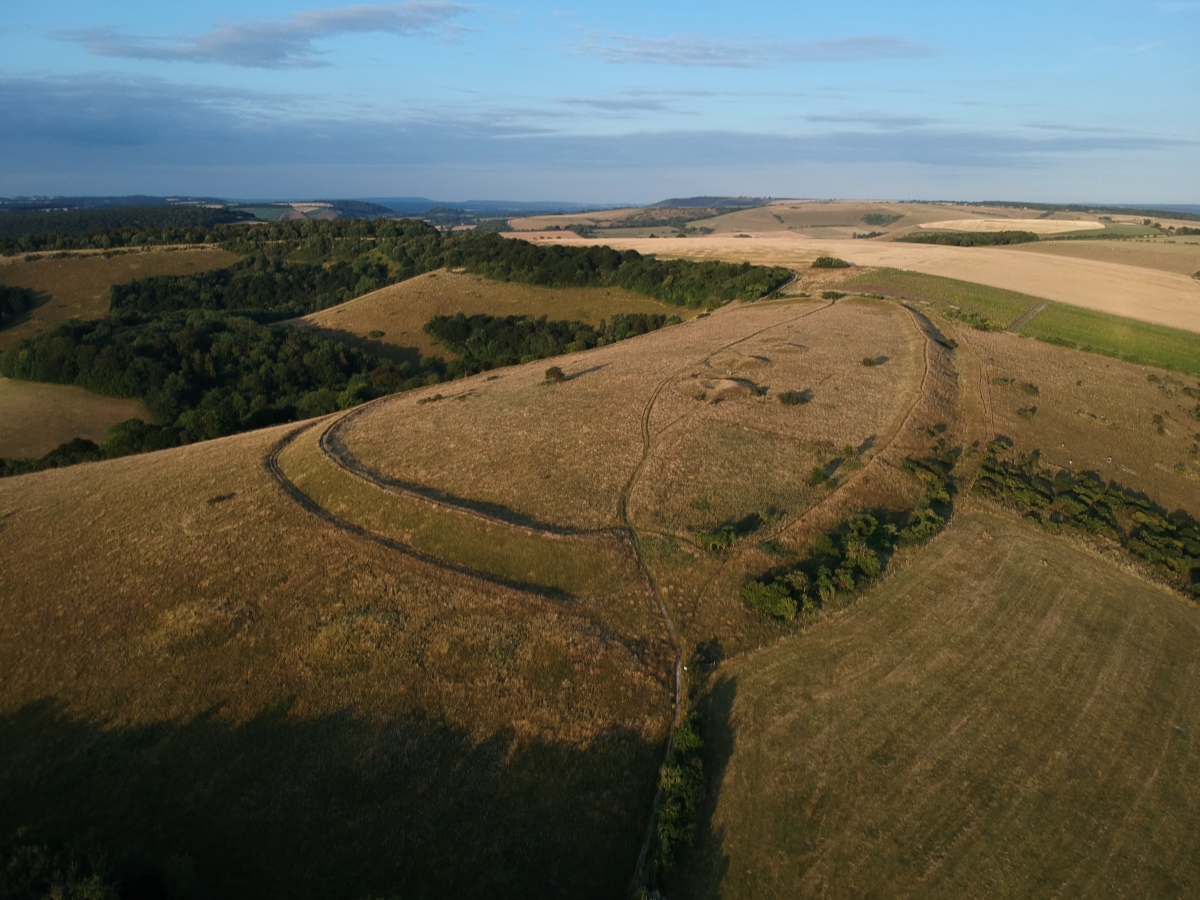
335,806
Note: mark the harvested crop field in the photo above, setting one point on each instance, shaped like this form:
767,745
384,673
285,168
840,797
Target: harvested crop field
1178,255
38,417
1160,297
76,286
1037,226
1023,727
400,311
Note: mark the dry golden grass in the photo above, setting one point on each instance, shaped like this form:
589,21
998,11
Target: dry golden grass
1161,297
566,450
1037,226
38,417
602,217
1009,715
401,310
77,285
1180,255
310,703
1093,414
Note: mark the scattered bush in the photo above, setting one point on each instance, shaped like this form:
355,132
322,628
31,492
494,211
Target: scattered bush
830,262
832,295
882,219
1170,542
794,398
374,334
870,361
817,476
554,375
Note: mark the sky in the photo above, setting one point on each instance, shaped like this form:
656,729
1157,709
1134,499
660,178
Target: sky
603,102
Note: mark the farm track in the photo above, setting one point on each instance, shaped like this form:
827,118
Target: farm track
1025,318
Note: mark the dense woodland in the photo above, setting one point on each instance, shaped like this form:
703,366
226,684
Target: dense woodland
103,228
484,342
204,353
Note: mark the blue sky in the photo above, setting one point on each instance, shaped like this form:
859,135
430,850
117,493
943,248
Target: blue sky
604,102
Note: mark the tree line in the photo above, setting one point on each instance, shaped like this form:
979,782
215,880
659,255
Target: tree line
970,238
1083,501
484,342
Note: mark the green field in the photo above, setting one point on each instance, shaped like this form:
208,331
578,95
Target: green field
1127,339
948,297
1008,716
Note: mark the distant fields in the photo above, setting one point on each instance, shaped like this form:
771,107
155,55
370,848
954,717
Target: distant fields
36,417
1025,726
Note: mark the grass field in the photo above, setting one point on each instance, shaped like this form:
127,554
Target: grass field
1025,727
947,297
1096,332
38,417
391,321
76,286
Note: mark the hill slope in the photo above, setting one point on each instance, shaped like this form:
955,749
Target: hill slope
1009,716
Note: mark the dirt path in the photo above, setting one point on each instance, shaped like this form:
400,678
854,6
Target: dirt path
1022,321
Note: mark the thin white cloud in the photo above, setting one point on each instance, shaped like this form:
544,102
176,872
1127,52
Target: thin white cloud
748,53
876,120
281,44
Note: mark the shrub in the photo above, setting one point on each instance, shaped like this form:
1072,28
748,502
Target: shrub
681,780
870,361
832,295
794,398
554,375
773,599
374,334
818,475
830,262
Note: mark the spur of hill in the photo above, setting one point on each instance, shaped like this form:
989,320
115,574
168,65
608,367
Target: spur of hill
76,285
391,321
1009,713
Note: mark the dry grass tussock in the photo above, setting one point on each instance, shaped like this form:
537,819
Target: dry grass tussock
77,285
1035,707
39,417
400,311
